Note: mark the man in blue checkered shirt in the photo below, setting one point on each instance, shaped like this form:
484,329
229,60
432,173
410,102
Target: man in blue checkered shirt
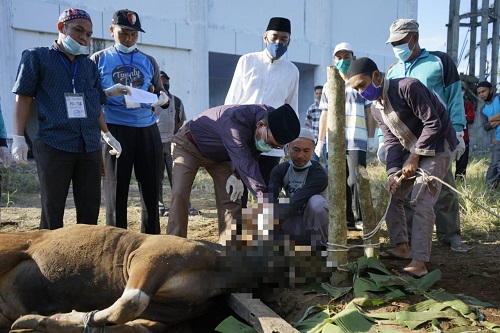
312,118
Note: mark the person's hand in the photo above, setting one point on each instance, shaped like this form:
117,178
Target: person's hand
162,100
393,182
113,143
381,153
411,165
461,146
237,185
5,156
118,89
19,149
372,145
319,148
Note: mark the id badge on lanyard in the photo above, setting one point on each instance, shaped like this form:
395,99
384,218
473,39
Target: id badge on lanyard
75,102
75,105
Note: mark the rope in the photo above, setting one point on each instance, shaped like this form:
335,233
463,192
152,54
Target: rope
426,179
88,319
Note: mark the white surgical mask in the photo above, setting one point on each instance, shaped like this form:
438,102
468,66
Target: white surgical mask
73,47
122,48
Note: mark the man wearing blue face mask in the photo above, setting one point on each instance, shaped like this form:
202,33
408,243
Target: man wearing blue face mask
305,216
227,141
437,71
418,134
133,124
65,86
359,131
267,78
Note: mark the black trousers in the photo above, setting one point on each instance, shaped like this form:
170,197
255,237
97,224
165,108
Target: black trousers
142,151
56,170
354,158
461,165
266,165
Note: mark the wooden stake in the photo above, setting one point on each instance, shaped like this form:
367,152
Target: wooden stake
337,232
368,212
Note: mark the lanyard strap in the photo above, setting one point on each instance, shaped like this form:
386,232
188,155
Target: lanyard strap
409,65
129,68
75,64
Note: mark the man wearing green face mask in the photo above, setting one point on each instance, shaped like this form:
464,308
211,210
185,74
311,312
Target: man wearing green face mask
227,141
359,130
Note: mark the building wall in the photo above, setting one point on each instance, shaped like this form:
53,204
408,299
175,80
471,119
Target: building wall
198,42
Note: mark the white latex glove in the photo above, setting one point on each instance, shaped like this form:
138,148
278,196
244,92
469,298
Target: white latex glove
5,156
461,146
19,149
162,100
319,148
113,143
372,145
117,89
237,186
381,153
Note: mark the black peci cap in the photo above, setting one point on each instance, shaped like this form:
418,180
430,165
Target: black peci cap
279,24
283,124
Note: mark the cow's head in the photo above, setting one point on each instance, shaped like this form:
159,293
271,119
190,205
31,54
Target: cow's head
259,253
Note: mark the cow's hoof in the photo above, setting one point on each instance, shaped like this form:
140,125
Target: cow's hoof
39,324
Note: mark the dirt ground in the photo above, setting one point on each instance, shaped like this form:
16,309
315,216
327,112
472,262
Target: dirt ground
476,273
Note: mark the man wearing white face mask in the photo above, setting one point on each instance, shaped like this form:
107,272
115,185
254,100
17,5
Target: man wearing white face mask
134,125
267,78
437,71
67,91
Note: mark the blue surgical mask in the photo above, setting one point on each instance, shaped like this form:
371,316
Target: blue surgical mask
73,47
372,92
305,166
343,65
276,50
403,51
122,48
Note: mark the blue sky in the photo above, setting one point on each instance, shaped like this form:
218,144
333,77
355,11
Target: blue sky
432,17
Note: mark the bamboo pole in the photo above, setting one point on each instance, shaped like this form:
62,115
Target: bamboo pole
368,212
337,231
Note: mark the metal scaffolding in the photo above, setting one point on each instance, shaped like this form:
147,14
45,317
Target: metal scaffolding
481,18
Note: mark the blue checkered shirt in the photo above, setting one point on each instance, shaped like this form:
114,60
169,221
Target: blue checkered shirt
312,117
43,75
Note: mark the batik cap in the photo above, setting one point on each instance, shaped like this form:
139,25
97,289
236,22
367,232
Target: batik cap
74,13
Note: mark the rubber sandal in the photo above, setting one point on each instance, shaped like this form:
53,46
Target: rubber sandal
388,255
404,273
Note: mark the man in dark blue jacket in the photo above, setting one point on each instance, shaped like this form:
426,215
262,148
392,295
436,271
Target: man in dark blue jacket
305,214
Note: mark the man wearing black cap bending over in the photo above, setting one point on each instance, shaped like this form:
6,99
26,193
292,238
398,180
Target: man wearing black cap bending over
226,140
132,124
267,78
418,133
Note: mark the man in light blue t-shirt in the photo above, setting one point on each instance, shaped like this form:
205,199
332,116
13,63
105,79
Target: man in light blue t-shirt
134,126
490,119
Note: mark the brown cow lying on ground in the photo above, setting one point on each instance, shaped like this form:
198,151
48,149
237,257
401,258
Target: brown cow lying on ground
82,278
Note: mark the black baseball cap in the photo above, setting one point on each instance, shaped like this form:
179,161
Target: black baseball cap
127,19
162,73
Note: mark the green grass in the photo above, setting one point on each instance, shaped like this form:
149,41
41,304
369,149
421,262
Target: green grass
22,181
476,223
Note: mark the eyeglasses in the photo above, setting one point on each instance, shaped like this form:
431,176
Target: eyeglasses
269,143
